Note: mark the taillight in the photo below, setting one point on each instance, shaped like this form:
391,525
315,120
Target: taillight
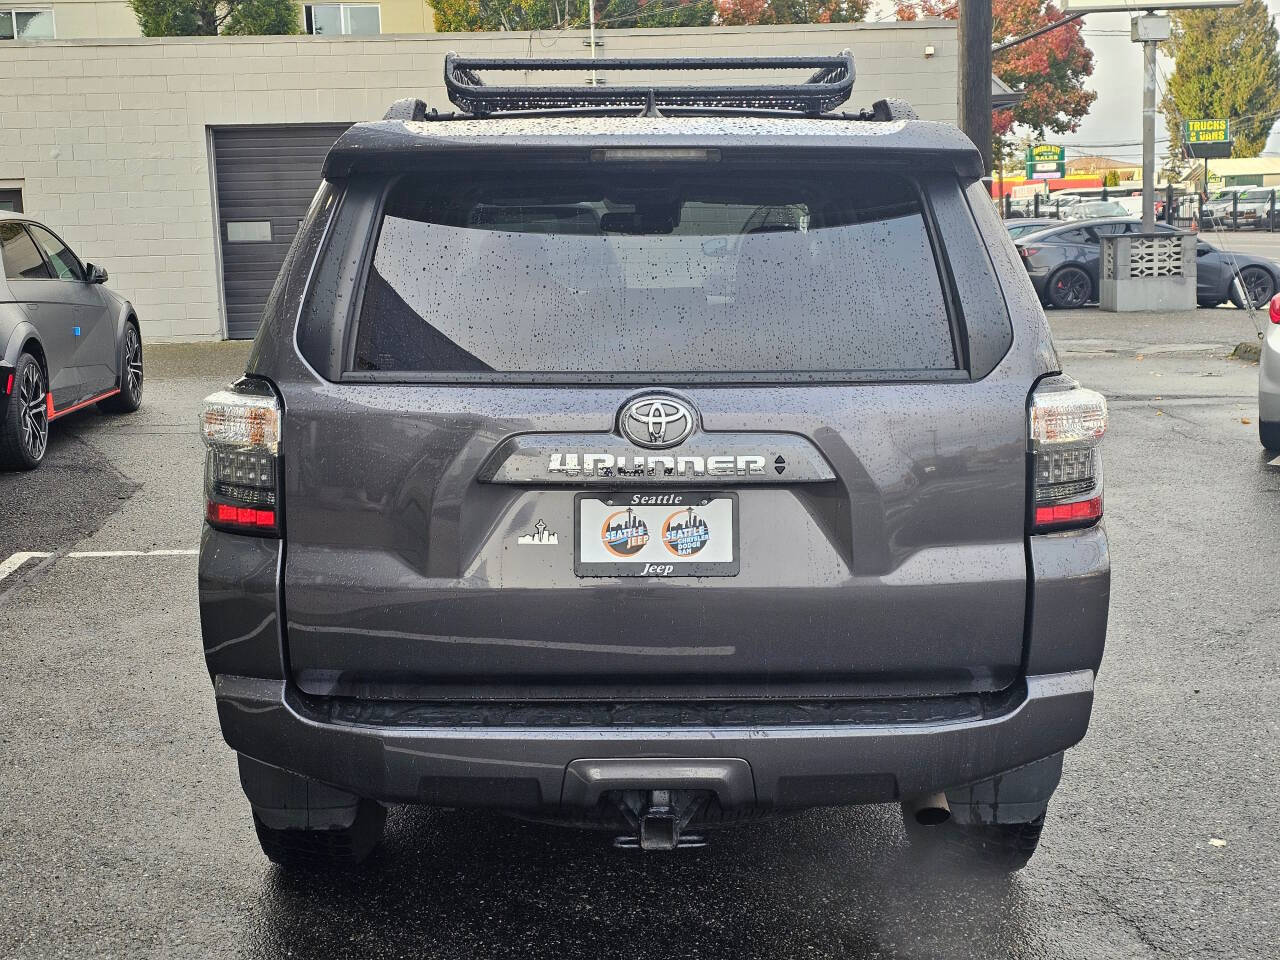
1026,252
241,429
1065,424
1274,309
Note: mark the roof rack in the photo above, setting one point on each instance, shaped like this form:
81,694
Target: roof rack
826,89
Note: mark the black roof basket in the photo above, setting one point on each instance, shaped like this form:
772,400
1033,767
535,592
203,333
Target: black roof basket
826,89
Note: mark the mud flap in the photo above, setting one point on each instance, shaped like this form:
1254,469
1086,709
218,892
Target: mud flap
286,801
1018,796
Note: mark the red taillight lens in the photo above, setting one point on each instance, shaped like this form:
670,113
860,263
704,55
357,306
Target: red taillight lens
1026,252
241,429
1274,309
1068,514
1066,424
225,514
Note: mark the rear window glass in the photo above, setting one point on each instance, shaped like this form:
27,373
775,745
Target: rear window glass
655,271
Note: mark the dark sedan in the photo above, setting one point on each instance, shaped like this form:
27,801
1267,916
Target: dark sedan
1020,228
1062,262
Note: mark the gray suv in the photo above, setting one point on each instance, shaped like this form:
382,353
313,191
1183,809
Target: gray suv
653,459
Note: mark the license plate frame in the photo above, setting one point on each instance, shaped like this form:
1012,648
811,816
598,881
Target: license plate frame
656,558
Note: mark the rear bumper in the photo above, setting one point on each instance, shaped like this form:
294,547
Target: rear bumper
523,767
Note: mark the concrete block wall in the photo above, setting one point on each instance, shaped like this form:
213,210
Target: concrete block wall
109,140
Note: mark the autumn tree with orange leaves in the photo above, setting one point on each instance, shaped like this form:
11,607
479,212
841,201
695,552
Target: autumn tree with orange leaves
1050,70
737,13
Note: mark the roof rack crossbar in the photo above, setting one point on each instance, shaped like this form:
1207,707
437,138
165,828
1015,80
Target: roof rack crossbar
828,87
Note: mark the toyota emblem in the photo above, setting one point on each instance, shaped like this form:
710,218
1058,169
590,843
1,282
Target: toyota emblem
656,422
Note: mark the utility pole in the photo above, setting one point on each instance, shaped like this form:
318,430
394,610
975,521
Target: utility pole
1149,30
975,75
592,39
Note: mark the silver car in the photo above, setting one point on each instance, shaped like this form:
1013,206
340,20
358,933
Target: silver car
67,340
1269,382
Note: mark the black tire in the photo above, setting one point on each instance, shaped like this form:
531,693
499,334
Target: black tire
325,849
976,848
1269,434
1258,282
24,431
1070,288
129,398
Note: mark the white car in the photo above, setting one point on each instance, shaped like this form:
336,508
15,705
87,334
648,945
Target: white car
1094,209
1269,382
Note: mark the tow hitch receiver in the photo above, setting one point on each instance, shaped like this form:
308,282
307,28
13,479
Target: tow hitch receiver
659,817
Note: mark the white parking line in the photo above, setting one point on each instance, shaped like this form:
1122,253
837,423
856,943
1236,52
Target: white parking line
11,564
18,559
132,553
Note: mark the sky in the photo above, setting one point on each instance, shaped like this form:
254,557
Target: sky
1116,116
1113,126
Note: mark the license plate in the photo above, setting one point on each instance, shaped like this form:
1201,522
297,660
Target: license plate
684,534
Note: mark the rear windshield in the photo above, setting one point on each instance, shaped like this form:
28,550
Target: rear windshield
655,271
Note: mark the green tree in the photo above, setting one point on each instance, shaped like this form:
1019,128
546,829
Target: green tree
208,18
466,15
1111,179
1226,66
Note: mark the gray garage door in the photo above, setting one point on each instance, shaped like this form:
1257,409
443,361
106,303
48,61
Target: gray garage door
265,176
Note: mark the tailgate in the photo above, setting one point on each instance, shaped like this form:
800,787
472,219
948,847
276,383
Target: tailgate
459,501
409,568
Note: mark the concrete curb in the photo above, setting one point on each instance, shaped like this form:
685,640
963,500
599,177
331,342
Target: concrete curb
1248,350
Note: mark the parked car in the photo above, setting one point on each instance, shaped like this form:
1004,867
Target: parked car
1062,262
662,518
1018,228
1253,208
68,341
1269,381
1093,210
1216,211
1132,205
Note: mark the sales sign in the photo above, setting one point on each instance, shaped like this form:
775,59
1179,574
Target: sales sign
1206,139
1208,131
1046,161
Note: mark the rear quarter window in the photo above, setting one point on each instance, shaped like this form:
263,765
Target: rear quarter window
677,273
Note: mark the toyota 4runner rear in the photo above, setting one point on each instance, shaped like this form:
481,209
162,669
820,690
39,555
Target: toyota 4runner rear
653,458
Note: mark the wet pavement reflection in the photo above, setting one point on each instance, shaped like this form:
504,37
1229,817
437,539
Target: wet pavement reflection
452,884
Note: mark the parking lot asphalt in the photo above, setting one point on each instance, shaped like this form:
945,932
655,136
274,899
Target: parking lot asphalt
125,833
1261,243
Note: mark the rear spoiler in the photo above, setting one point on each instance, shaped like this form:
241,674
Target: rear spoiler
399,145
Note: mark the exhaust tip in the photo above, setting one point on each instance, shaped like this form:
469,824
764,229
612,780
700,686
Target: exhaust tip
932,816
929,811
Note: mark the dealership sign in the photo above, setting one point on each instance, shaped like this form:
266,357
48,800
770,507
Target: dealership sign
1206,139
1045,161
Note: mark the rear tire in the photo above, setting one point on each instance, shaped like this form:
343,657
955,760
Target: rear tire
1258,283
1070,288
1269,434
24,430
976,848
129,398
324,849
